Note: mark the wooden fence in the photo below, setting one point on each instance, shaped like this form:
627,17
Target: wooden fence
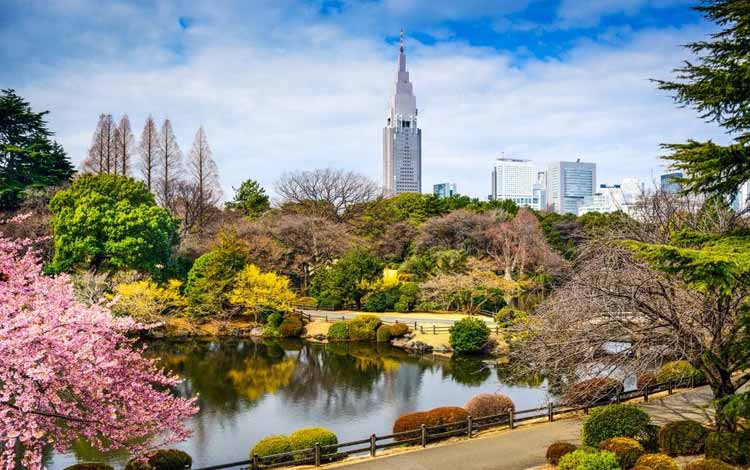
320,454
424,328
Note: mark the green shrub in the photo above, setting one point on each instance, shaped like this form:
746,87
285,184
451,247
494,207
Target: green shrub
586,459
399,329
627,450
409,293
682,438
291,326
592,391
364,327
339,331
270,331
274,319
272,445
489,404
162,459
650,439
681,372
427,307
556,450
307,438
375,302
104,466
656,462
610,421
708,464
730,447
384,334
469,336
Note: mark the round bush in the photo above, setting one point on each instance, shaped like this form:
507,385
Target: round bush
291,326
627,450
274,319
682,438
592,391
681,372
610,421
162,459
656,462
489,404
642,467
446,415
104,466
469,336
307,438
339,331
409,422
708,464
730,447
556,450
650,439
272,445
384,334
588,459
399,329
364,327
645,379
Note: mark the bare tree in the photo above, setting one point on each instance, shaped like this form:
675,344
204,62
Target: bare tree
330,193
148,149
169,167
204,176
458,230
123,146
101,155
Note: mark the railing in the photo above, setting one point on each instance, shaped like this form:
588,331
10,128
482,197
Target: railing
424,328
425,434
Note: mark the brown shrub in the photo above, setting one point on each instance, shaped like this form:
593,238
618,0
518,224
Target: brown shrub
446,415
557,450
489,404
593,391
409,422
645,379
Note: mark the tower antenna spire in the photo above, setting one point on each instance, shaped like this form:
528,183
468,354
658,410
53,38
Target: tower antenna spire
401,40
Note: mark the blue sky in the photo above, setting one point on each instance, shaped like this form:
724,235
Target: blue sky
287,85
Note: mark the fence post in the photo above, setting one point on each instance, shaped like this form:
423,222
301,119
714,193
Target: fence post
326,318
550,412
434,331
343,318
317,454
586,410
618,398
424,436
372,445
256,462
421,328
692,381
511,419
415,326
645,393
468,426
669,386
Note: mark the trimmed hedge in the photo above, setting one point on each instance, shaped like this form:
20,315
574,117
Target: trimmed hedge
409,422
650,439
656,462
96,466
627,450
682,438
621,420
291,326
437,417
446,415
489,404
384,334
306,438
681,372
593,391
556,451
708,464
272,445
730,447
399,329
469,336
645,379
275,319
339,331
162,459
364,327
588,459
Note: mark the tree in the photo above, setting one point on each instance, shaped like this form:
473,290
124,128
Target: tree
110,222
457,230
102,156
68,371
28,157
334,194
250,199
255,289
169,168
148,149
716,86
468,292
123,146
204,178
347,280
673,283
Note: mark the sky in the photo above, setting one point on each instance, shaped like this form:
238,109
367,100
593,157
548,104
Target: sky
284,85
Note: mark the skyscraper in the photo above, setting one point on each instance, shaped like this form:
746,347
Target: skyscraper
513,179
570,185
402,139
442,190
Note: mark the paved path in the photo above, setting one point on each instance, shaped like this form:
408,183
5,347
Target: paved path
421,318
525,447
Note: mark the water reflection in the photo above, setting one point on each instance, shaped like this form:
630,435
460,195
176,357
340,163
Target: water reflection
249,389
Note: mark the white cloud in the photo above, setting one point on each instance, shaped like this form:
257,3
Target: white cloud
316,96
588,13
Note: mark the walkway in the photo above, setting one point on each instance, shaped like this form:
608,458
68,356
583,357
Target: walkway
422,318
525,447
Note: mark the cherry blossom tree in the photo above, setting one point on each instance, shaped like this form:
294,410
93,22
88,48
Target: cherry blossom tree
68,371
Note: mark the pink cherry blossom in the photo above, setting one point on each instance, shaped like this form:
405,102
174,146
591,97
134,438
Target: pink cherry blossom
68,370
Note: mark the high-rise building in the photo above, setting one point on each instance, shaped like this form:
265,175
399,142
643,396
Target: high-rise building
619,197
442,190
513,179
669,182
540,190
570,185
402,139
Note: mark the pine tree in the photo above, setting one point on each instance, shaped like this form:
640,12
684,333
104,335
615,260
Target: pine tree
123,146
169,167
148,150
204,177
717,86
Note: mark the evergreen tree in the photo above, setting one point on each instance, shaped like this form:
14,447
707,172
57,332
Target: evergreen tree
28,157
250,199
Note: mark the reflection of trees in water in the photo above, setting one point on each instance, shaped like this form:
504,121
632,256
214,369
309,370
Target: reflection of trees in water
467,370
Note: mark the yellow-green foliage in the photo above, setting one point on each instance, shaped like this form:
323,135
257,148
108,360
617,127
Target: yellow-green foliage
679,371
254,289
708,464
682,438
364,327
390,277
161,459
399,329
557,450
731,447
104,466
384,334
588,459
627,450
272,445
146,300
307,438
656,462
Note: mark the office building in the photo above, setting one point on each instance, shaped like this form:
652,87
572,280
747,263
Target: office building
513,179
570,185
442,190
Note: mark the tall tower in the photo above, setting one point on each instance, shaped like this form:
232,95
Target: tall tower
402,139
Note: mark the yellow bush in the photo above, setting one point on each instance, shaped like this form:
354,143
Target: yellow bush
254,289
146,300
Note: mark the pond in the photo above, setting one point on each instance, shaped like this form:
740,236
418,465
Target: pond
248,390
